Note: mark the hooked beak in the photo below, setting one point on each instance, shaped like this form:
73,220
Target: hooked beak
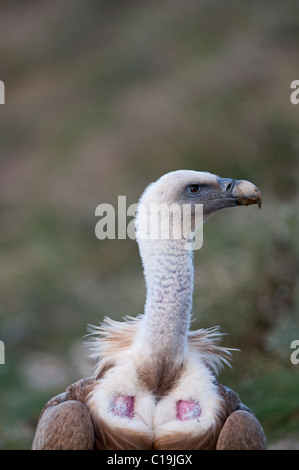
247,194
242,192
230,193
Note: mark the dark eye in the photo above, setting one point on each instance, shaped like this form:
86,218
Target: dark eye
193,189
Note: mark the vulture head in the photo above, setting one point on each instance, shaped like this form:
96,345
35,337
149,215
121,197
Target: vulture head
188,189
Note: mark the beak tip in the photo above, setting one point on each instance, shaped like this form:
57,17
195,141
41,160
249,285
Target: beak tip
248,194
258,198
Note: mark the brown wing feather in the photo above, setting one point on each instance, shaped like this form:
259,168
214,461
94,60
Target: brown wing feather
65,422
242,431
66,426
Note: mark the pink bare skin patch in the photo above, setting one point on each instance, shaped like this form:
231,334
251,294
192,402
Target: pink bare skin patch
187,409
123,405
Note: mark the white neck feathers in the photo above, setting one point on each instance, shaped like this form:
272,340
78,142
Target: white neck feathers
168,271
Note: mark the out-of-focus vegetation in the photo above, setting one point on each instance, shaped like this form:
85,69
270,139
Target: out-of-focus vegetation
103,97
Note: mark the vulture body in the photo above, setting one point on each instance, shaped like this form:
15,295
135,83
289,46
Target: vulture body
155,384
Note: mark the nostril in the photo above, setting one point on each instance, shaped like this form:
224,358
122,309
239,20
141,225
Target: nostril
226,185
229,187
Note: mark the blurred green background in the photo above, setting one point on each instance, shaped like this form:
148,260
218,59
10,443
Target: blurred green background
103,97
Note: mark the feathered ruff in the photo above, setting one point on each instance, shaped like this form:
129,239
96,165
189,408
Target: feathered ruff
112,338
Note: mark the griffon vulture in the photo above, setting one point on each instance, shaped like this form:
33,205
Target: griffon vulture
155,383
